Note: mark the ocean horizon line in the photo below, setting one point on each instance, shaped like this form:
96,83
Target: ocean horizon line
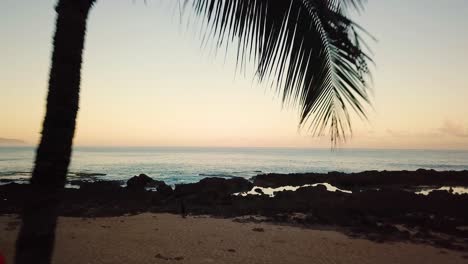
247,147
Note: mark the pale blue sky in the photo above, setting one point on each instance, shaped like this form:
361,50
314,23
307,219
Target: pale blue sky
147,81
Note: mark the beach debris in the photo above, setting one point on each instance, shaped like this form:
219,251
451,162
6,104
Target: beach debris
12,226
183,212
160,256
258,229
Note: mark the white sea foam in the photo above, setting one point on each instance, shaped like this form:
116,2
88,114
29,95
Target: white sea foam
454,190
271,191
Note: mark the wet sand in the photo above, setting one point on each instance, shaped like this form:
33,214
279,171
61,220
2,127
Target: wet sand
166,238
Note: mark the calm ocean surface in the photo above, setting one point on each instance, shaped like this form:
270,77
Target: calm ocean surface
177,165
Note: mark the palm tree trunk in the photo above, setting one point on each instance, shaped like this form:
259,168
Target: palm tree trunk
37,234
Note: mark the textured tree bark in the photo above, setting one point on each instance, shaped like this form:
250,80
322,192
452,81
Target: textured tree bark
36,238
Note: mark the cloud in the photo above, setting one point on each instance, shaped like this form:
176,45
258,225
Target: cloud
453,129
11,141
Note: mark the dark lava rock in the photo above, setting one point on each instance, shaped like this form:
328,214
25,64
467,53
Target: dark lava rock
6,180
140,182
217,186
164,189
100,186
306,193
367,179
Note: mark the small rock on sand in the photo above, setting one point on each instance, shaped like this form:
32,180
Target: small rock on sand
258,229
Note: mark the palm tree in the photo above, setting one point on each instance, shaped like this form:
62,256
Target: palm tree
309,49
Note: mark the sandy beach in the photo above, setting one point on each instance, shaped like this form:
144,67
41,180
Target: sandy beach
167,238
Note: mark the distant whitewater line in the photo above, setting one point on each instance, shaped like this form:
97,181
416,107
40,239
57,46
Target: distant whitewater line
11,142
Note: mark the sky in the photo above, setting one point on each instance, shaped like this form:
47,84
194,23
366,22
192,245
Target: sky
148,81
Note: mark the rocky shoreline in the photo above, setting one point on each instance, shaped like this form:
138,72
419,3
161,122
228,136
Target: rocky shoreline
381,206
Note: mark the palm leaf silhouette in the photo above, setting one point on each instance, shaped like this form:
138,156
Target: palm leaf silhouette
309,50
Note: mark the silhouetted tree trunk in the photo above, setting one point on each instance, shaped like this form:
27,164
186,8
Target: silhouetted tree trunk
37,235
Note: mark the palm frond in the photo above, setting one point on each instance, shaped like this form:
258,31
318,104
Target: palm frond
309,48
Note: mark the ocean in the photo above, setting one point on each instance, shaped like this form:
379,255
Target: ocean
183,165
